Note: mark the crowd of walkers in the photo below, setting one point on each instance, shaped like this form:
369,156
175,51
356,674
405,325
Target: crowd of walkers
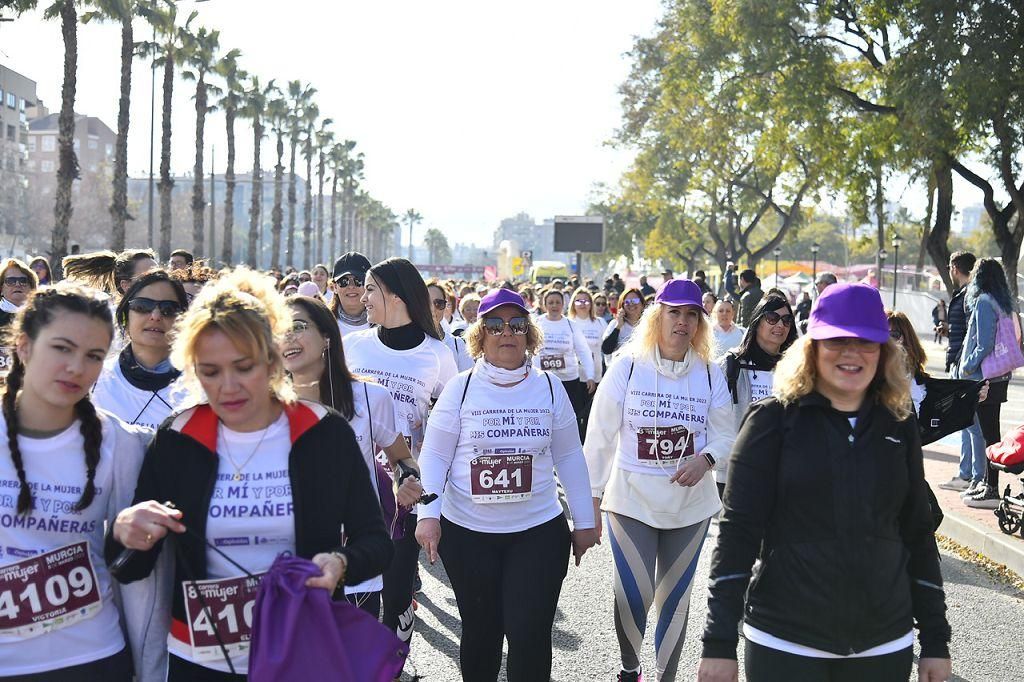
168,425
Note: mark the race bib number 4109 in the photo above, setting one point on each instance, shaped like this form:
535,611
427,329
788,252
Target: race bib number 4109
229,604
48,592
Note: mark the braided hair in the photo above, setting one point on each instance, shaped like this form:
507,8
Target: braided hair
41,309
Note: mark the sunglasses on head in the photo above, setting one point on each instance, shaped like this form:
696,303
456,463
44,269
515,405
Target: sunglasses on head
16,281
141,304
439,303
349,280
495,326
773,318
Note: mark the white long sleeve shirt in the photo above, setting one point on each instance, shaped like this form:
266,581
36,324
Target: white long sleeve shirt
492,457
593,332
649,416
565,352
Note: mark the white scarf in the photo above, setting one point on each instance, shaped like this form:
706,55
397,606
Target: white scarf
500,375
671,368
8,307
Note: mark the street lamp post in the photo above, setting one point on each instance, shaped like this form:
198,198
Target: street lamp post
882,255
777,252
896,241
815,247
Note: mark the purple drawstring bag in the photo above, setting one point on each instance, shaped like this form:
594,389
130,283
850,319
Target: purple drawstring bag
299,633
394,515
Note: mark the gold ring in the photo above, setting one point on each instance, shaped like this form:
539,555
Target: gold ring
149,538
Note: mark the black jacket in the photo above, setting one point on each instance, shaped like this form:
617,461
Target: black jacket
330,487
956,318
749,299
841,522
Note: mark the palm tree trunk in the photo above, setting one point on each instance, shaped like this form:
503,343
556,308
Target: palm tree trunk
67,170
320,210
276,214
198,202
307,208
166,184
119,198
292,200
332,248
257,188
226,254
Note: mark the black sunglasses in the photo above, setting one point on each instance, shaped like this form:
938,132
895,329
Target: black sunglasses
141,304
349,280
16,281
440,303
495,326
773,318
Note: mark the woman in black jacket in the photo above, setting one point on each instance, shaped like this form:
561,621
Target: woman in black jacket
826,487
252,473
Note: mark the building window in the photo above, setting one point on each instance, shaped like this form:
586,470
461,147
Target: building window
110,150
49,143
31,143
12,101
21,105
93,144
32,165
46,166
12,133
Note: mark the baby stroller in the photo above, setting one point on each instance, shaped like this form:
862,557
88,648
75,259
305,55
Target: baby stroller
1008,455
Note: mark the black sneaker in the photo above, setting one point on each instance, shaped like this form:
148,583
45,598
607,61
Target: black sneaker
989,499
630,677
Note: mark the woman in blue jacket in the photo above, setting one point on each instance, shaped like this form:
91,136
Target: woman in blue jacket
987,300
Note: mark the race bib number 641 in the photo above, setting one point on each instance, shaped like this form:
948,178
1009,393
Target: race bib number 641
48,592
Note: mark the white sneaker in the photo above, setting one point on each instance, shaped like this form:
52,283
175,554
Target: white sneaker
956,483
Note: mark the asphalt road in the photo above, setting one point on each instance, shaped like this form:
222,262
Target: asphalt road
985,615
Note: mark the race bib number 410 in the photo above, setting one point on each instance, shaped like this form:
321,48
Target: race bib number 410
501,475
229,607
663,444
48,592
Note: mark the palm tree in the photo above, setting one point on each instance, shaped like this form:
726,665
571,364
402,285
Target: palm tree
310,116
169,50
437,246
324,138
337,157
201,57
277,115
256,99
231,102
300,97
351,175
121,11
411,218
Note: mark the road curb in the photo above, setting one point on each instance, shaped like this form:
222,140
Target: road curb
993,545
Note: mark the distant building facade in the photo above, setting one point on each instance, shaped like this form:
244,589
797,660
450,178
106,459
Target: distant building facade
17,99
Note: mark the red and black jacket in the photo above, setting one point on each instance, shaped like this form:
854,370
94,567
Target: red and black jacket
330,487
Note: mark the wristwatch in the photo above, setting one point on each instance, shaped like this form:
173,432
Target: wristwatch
710,460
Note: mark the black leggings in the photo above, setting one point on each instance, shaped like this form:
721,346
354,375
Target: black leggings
180,670
988,419
398,580
507,587
116,668
763,664
578,398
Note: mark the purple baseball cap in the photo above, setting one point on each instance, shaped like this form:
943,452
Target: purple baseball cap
500,297
849,310
679,292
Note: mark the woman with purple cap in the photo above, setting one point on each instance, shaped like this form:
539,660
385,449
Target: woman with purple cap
826,490
496,438
661,420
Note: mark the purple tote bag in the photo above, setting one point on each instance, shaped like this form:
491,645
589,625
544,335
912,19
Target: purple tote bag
1006,354
299,633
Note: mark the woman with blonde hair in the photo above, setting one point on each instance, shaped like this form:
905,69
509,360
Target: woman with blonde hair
627,317
826,489
250,462
662,419
582,314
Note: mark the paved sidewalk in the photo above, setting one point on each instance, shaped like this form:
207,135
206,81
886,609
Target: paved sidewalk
977,529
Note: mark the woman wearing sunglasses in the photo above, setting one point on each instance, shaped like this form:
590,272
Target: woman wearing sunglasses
496,437
660,421
748,368
564,351
253,472
440,297
348,282
582,314
403,353
627,317
138,385
18,282
601,308
826,489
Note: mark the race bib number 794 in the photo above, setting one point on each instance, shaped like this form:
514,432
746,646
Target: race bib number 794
48,592
663,444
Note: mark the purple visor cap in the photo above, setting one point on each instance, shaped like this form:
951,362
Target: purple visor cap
500,297
679,292
849,310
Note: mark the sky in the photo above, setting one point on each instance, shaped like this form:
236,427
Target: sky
468,112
